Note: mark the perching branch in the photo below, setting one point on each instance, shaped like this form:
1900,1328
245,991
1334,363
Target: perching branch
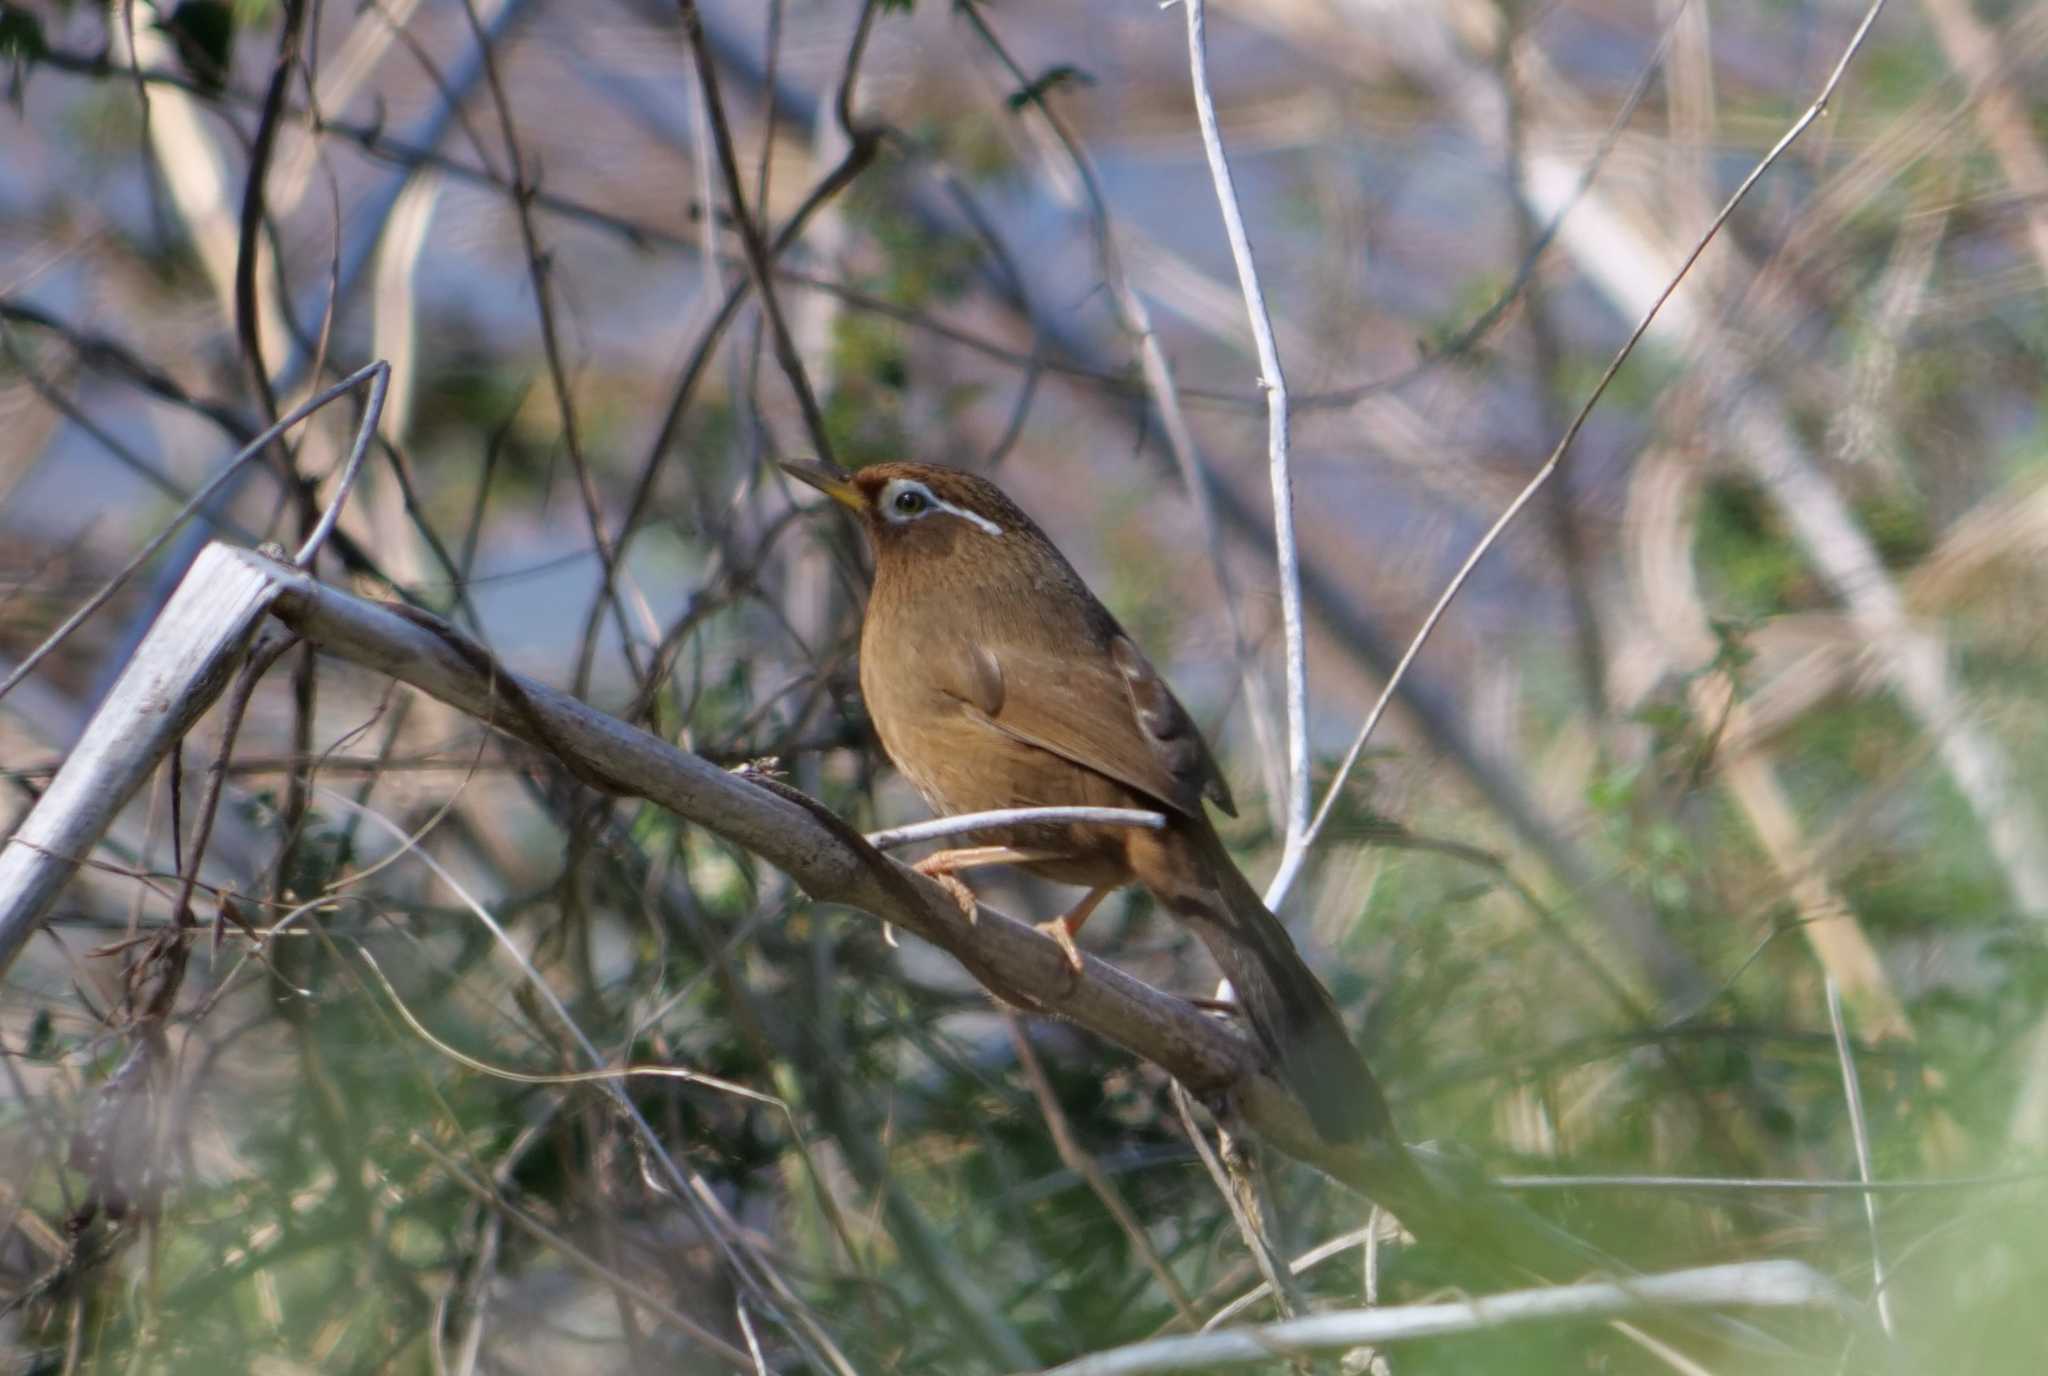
826,857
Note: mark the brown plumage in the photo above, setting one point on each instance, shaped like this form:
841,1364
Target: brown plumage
996,679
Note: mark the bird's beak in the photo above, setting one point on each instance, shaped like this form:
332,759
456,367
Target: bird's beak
829,481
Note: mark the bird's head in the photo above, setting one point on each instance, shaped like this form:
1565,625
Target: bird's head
914,510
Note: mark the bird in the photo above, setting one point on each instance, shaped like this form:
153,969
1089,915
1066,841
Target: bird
996,679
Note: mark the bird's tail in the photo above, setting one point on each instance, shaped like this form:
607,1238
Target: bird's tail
1289,1010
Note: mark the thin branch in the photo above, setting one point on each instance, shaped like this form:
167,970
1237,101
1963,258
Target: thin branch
577,1258
526,1077
1291,863
1766,1184
550,335
377,373
734,1243
1852,1090
1307,1261
1757,1284
1274,384
759,260
246,316
1083,1163
1010,816
1242,1202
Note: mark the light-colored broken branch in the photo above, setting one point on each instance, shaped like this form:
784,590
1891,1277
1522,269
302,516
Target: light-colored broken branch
175,674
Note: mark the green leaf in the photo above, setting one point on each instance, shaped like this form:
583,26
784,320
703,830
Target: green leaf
42,1035
204,33
1034,92
1732,650
21,34
21,43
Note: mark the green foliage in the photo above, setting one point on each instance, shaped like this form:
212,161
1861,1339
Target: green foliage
21,35
1754,569
1898,526
915,266
864,413
21,46
975,143
203,33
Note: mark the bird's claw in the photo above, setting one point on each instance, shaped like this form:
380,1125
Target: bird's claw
955,888
1057,929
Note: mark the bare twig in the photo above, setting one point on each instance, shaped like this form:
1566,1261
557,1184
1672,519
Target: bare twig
747,1260
1241,1197
759,260
550,335
576,1257
1307,1261
1079,1160
1291,863
246,316
1757,1284
1852,1091
1766,1185
379,374
1274,384
1012,816
375,373
564,1077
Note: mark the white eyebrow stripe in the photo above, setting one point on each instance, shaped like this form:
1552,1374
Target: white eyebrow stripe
901,485
988,527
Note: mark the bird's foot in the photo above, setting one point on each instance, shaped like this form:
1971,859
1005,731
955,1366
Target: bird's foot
942,875
1063,934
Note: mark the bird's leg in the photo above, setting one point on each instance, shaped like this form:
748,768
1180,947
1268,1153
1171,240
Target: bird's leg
1064,928
940,867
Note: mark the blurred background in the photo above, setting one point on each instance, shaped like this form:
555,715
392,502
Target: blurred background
1747,700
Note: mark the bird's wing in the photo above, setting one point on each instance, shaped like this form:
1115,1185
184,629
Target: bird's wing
1112,714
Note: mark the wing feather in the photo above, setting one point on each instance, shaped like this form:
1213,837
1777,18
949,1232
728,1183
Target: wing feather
1112,714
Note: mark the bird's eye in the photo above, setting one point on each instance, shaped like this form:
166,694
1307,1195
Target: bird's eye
909,502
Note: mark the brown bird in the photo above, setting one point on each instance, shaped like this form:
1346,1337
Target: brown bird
996,679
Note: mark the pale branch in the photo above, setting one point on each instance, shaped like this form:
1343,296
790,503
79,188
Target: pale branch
1756,1285
181,667
1274,384
962,823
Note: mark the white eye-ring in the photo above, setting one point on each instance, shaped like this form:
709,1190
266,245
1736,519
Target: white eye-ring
906,499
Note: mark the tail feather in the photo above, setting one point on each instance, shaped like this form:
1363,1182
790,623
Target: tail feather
1291,1013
